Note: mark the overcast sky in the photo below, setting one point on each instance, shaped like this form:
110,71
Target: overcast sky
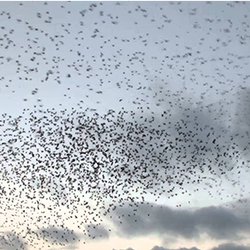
175,73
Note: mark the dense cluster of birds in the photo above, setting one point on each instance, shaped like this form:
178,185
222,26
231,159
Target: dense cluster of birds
111,117
103,162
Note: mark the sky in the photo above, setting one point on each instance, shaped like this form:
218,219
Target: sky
124,125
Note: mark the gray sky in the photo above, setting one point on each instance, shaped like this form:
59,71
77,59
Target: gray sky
173,78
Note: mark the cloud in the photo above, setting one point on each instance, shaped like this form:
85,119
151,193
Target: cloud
221,223
58,235
242,121
183,248
226,246
231,246
96,231
216,222
192,248
12,241
159,248
126,249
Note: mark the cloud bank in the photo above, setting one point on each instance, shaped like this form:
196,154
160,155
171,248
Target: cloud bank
217,222
226,246
231,246
58,235
163,248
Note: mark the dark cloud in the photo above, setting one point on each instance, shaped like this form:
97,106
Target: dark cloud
12,241
221,223
183,248
216,222
125,249
58,235
242,111
97,231
159,248
192,248
231,246
242,121
226,246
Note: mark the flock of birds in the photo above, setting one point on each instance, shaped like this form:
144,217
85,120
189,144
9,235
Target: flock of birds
76,159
